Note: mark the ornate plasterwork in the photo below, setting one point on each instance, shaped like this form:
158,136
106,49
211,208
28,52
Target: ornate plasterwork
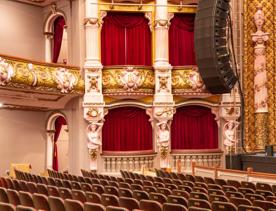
6,72
187,81
24,74
65,80
128,80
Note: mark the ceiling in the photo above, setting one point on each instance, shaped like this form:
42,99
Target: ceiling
41,3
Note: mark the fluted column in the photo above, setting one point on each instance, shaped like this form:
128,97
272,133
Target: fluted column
93,98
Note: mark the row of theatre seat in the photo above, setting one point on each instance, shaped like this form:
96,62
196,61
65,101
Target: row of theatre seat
134,191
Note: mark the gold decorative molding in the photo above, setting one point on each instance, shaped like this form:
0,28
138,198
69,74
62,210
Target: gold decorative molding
187,81
250,8
260,131
128,80
37,76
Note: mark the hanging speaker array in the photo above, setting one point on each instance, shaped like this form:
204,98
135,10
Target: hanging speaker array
212,52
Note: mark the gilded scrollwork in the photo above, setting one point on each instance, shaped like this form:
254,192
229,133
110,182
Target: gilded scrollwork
187,79
24,74
128,80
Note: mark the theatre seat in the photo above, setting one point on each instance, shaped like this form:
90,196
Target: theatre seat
56,203
150,205
174,207
88,206
73,205
6,207
129,203
41,202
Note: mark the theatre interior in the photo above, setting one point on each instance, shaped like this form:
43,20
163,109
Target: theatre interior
121,105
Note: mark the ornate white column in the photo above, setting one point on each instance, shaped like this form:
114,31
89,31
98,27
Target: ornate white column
49,147
93,98
260,80
163,105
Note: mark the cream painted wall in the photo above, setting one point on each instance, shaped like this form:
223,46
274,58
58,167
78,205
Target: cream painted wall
22,139
63,144
21,30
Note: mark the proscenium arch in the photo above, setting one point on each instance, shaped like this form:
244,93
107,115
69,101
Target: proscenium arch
50,128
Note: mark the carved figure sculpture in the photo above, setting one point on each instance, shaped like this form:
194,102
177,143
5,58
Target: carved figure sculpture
260,76
93,135
65,80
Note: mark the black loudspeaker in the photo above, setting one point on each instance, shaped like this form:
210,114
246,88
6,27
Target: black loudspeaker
212,53
269,150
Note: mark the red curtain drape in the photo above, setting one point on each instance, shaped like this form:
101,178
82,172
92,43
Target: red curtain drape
58,125
194,127
127,129
181,40
126,39
59,24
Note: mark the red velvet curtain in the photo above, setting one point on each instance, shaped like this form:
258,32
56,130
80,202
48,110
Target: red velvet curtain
127,129
194,127
58,125
181,40
126,40
59,24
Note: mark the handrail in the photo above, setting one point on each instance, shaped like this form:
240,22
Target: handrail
196,151
38,62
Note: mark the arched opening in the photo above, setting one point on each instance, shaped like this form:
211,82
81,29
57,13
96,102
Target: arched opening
194,127
56,39
57,142
127,129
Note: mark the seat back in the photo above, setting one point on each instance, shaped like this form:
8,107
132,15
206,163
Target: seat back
263,186
3,195
253,197
98,188
174,207
266,205
32,187
109,200
93,197
197,195
111,190
124,192
24,208
79,195
56,203
223,206
26,199
199,203
114,208
65,193
149,189
165,191
6,207
13,197
88,206
139,195
182,193
76,185
249,208
53,191
41,202
42,189
150,205
86,187
240,201
218,198
73,205
161,198
177,200
129,203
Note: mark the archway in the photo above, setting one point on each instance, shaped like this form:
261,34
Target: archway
57,142
56,38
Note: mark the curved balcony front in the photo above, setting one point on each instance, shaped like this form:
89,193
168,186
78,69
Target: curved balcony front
186,81
130,81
